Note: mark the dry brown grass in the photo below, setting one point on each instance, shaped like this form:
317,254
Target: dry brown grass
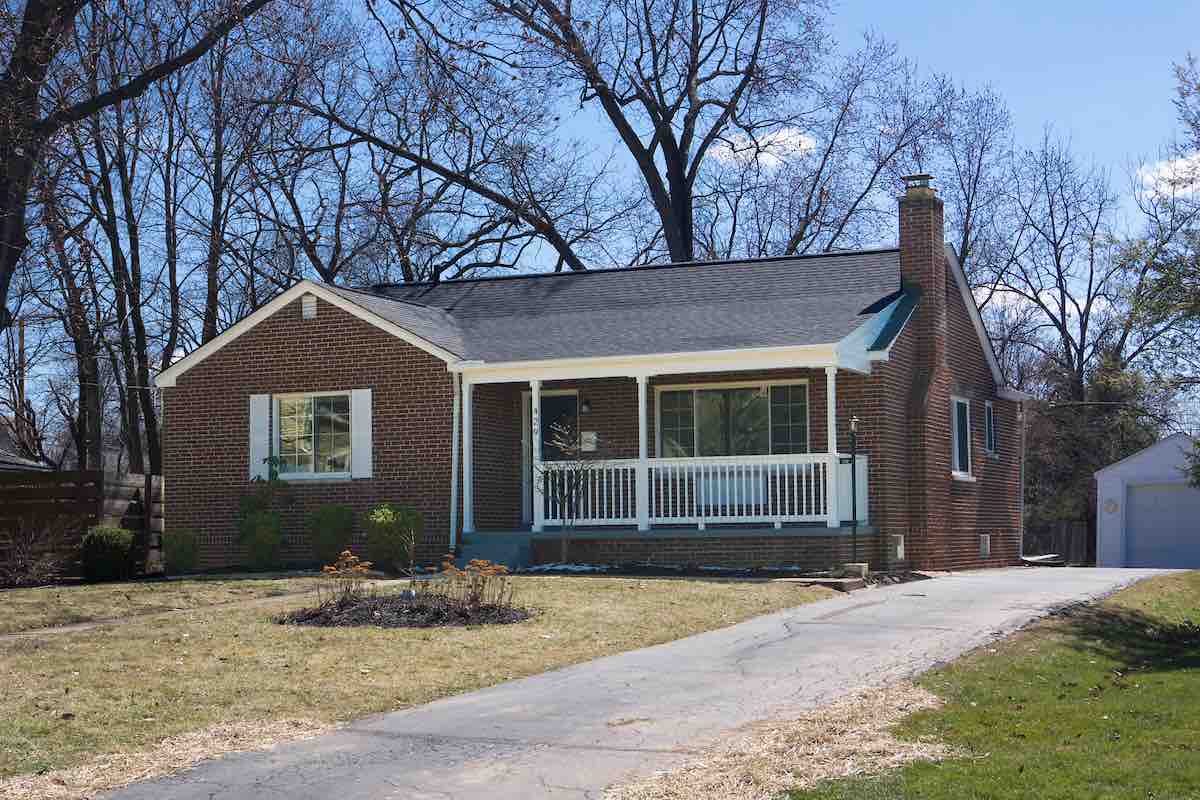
125,688
50,606
171,755
851,736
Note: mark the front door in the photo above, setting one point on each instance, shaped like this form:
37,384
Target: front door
557,409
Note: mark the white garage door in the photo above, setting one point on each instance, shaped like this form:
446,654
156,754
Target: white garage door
1162,528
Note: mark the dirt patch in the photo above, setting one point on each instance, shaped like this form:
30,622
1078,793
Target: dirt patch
171,755
425,610
851,736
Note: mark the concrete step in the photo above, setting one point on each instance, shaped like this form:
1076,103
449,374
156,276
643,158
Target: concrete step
511,550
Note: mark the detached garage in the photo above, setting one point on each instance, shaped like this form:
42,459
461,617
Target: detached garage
1147,514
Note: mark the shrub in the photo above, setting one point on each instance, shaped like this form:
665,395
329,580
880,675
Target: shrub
392,536
33,551
330,527
481,584
261,533
180,551
348,578
107,553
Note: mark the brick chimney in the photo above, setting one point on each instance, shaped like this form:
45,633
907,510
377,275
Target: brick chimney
922,233
923,265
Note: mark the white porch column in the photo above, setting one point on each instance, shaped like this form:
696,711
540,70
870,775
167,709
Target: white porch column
831,491
468,452
643,466
535,452
455,425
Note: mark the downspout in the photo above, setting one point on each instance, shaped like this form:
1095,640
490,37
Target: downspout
455,415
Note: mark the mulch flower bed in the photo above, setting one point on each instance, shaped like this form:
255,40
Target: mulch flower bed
425,610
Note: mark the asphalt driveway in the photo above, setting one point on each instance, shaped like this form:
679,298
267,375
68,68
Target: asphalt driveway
570,733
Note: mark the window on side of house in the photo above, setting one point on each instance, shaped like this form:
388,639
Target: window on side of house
961,427
734,421
314,435
989,418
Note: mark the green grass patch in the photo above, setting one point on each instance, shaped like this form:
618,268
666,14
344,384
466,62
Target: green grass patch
1102,701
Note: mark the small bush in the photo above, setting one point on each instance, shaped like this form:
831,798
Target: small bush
107,553
392,536
33,551
181,553
330,527
347,578
481,584
262,535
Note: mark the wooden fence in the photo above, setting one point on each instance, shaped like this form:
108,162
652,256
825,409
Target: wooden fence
1073,540
83,499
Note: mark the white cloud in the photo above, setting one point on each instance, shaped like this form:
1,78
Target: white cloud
771,149
1171,176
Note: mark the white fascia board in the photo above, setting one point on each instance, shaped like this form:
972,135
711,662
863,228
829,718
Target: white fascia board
821,355
852,349
985,341
167,377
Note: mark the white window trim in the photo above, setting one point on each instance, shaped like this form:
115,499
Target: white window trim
695,387
958,474
990,434
277,431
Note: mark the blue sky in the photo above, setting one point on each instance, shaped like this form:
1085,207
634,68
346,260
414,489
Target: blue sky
1099,71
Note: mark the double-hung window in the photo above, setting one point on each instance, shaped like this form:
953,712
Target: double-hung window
314,435
740,420
960,421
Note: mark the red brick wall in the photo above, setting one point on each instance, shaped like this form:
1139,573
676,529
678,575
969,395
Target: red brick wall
938,355
497,469
206,428
804,552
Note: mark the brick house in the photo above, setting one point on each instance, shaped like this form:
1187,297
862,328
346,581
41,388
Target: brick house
712,404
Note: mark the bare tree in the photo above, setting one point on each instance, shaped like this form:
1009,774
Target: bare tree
31,115
972,154
669,79
819,184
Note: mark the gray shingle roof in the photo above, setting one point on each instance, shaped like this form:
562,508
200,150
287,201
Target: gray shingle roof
647,310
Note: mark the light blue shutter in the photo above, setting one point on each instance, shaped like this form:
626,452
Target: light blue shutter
260,435
360,433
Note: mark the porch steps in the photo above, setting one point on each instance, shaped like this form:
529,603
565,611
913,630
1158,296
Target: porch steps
510,549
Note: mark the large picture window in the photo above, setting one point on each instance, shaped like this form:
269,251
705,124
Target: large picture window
314,434
733,421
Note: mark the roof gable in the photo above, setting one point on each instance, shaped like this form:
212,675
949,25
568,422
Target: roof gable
1004,391
347,300
1174,447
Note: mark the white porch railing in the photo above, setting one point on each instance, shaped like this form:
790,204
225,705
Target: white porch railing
734,489
785,488
604,492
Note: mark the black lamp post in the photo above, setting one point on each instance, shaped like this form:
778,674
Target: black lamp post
854,489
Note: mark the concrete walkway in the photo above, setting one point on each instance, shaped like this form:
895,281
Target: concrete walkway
570,733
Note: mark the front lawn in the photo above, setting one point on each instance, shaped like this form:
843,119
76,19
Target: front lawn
1099,702
69,697
49,606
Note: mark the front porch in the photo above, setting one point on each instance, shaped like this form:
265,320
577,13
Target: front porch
645,466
